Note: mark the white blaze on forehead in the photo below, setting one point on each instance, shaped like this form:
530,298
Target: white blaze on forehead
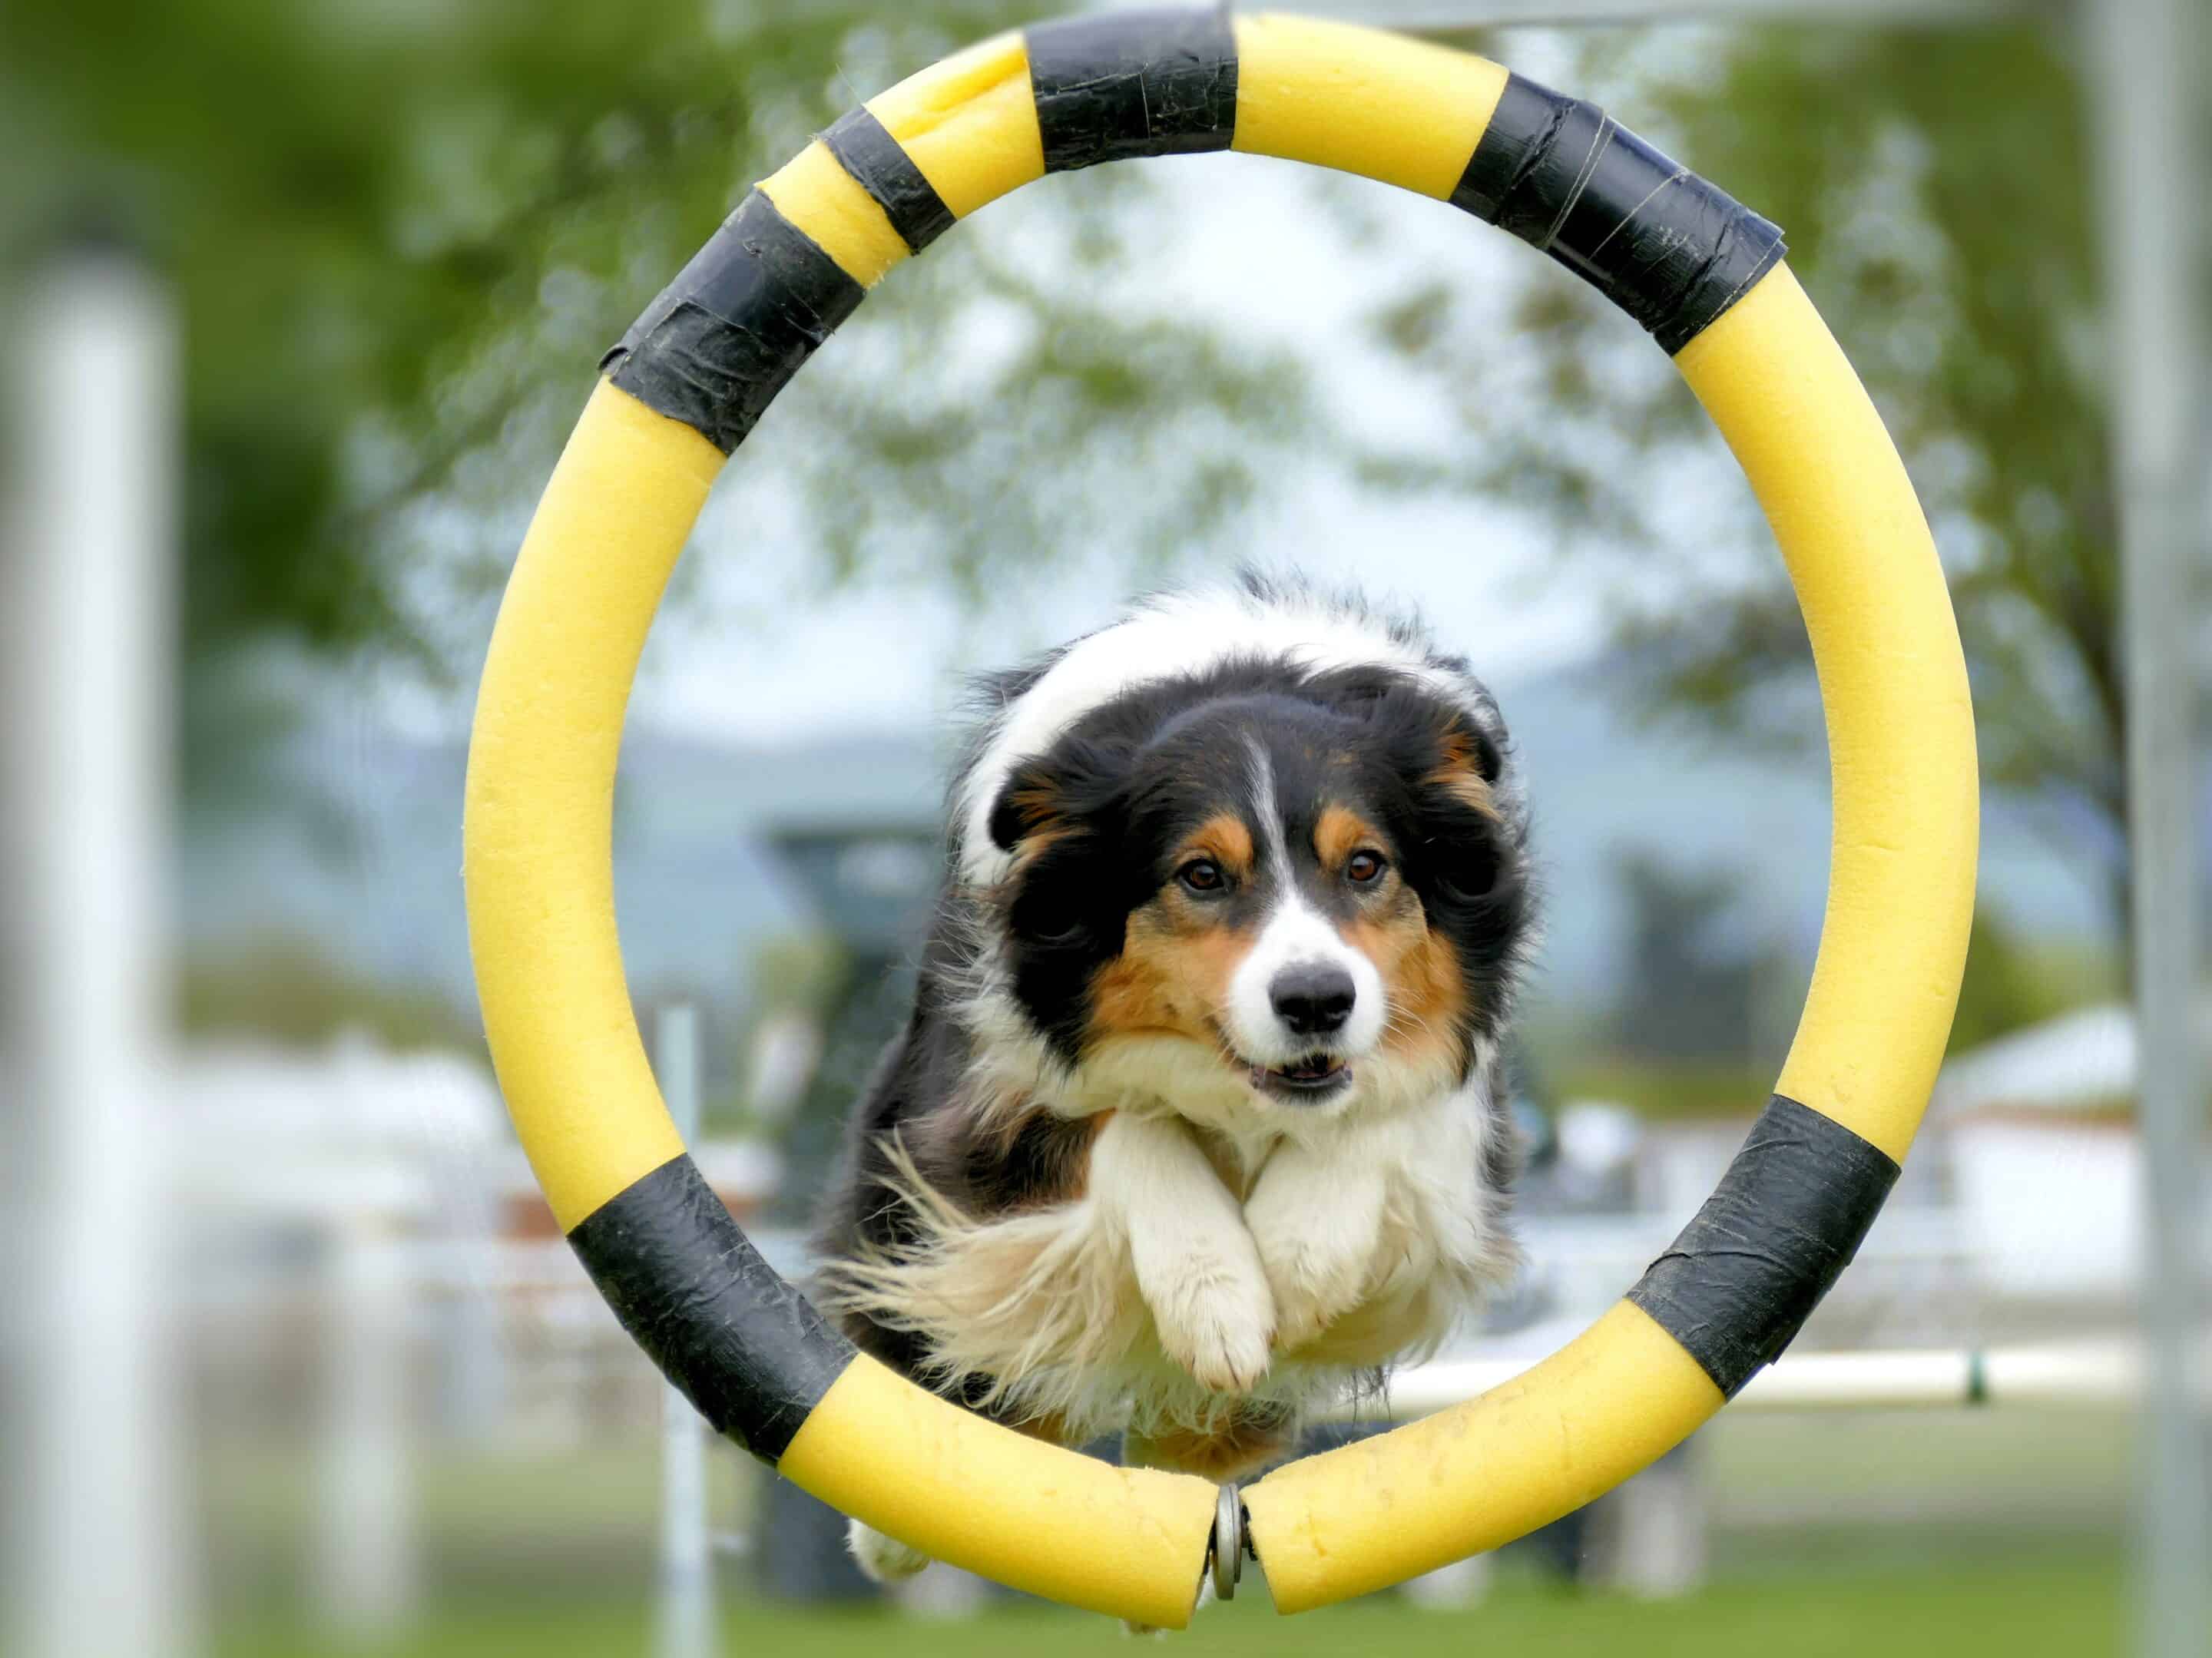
1176,635
1269,812
1295,935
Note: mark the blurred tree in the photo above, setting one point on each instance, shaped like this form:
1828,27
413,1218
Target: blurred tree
1690,966
401,234
297,993
2013,982
1934,185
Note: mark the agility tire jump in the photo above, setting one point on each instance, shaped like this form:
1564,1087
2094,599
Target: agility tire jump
1705,277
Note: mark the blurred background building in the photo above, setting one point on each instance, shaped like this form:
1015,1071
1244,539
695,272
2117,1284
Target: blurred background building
303,301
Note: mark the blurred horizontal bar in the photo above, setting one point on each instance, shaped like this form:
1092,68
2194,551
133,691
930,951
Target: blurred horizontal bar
2104,1374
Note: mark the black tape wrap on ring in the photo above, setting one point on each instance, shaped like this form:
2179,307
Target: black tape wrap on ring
878,163
1786,1219
1133,84
1666,247
747,1349
727,335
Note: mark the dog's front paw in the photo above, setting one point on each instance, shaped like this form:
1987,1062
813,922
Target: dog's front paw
883,1559
1317,1232
1216,1319
1312,1288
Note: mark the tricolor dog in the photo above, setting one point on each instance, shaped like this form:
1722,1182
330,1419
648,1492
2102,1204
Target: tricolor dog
1199,1117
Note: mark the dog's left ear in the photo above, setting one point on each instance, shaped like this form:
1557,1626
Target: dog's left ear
1470,847
1468,766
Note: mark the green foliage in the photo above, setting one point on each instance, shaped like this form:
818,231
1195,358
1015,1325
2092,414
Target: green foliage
294,992
1695,970
1666,1089
401,235
799,972
2013,982
1935,187
1696,1034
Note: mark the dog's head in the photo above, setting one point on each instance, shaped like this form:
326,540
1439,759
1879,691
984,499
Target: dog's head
1300,889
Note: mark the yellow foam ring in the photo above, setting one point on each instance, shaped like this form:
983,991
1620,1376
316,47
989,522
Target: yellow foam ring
1351,1521
537,836
1893,683
1126,1541
814,191
969,123
538,862
1362,100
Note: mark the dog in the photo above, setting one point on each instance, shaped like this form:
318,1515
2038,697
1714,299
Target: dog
1199,1119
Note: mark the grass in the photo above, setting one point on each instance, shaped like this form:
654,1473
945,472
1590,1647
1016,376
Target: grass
1898,1533
2029,1610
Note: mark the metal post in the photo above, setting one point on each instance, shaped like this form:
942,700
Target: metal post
2154,186
87,657
683,1621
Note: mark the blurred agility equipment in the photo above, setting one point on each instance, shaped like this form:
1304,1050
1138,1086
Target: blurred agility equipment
2087,1374
1705,277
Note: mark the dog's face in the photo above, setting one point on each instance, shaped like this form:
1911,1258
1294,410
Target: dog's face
1303,883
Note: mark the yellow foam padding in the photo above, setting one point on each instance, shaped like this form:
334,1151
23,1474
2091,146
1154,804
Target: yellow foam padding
1902,886
537,838
1361,1518
814,191
1893,683
1362,100
969,123
1130,1542
537,860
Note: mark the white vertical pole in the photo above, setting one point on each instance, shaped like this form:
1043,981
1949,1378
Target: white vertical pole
91,683
366,1571
684,1618
2155,185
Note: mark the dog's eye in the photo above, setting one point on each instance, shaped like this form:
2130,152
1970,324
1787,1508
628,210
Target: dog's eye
1364,867
1200,875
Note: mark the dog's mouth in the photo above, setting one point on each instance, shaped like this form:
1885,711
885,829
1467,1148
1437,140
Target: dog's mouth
1304,1081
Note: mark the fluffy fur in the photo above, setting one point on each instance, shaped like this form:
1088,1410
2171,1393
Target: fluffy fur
1198,1117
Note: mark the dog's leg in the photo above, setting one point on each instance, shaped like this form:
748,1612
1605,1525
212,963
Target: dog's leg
1317,1217
1195,1265
1241,1447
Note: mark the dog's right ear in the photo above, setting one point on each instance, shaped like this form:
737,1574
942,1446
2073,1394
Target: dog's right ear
1029,805
1050,798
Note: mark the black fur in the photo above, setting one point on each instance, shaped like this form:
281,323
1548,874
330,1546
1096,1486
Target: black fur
1118,792
1095,821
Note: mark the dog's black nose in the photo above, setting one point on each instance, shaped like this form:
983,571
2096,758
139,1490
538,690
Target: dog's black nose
1313,998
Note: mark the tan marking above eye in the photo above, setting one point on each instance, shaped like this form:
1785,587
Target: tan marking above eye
1339,832
1222,838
